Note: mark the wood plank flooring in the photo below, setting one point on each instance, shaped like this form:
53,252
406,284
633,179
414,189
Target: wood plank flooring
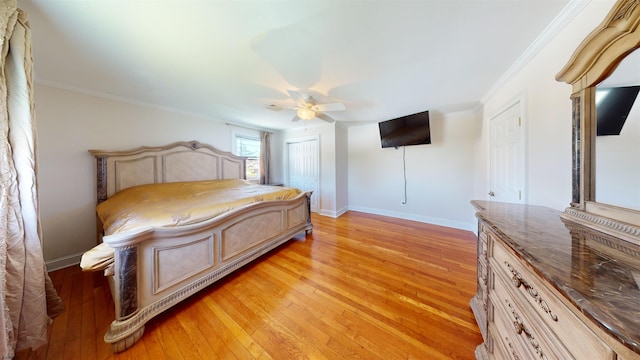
360,287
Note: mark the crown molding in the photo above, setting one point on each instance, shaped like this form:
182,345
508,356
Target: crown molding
573,8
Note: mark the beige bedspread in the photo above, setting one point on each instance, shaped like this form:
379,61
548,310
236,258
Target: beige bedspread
174,204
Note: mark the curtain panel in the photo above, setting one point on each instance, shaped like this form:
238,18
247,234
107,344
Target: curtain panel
28,299
265,154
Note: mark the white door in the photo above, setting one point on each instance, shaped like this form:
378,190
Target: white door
507,156
303,168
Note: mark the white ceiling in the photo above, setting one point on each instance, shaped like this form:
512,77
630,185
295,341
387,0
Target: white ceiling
227,60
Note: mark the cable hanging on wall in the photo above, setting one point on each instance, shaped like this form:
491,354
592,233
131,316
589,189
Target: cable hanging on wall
404,172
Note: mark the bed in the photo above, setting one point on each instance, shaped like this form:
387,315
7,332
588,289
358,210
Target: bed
155,266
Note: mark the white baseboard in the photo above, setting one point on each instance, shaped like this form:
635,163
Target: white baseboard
424,219
63,262
327,213
333,214
342,211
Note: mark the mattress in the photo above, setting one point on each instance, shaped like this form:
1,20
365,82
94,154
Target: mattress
172,205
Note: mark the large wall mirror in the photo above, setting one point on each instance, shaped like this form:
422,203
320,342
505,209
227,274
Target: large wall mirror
617,144
604,72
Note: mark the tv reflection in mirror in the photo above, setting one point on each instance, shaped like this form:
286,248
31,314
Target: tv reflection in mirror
404,131
612,108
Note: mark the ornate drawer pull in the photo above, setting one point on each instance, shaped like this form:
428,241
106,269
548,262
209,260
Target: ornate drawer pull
518,281
521,328
513,351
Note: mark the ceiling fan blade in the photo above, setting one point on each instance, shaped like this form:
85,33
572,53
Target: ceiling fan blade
301,97
295,118
295,95
325,117
330,107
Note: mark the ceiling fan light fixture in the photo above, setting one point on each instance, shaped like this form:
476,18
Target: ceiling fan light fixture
306,113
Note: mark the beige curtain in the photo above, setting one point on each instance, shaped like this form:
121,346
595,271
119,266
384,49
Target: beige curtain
26,292
265,154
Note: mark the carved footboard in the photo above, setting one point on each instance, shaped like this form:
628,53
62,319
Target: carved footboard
158,268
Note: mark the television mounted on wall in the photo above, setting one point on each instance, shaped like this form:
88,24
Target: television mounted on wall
404,131
612,108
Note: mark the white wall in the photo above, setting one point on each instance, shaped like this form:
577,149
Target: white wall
69,124
439,175
547,113
342,170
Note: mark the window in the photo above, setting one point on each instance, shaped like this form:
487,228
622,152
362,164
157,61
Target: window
249,147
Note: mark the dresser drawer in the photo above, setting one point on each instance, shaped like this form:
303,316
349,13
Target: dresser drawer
483,236
505,344
525,325
534,298
483,271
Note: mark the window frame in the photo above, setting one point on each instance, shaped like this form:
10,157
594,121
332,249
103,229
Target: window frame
252,162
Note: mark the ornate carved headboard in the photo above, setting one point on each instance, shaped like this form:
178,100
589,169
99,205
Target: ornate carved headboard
179,161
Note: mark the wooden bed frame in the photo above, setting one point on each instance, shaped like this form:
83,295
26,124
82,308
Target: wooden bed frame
156,268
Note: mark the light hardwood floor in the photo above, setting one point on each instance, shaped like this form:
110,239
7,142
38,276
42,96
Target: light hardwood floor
360,287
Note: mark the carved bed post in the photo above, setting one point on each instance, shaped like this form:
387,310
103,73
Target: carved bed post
122,334
127,276
101,162
101,191
127,281
309,224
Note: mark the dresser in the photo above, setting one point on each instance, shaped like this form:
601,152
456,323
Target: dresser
549,288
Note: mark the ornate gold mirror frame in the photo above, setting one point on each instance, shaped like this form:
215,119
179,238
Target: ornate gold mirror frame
593,61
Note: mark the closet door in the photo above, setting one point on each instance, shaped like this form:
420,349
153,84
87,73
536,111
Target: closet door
303,168
507,160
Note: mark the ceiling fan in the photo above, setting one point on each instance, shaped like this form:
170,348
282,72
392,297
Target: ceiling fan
307,108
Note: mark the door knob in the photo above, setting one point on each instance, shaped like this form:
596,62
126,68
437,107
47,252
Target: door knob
491,193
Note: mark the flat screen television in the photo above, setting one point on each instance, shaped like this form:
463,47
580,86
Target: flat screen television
407,130
612,108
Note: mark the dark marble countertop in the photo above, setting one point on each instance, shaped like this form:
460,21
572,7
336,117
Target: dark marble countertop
597,273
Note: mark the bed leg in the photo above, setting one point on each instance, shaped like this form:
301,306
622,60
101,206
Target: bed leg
309,229
126,343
